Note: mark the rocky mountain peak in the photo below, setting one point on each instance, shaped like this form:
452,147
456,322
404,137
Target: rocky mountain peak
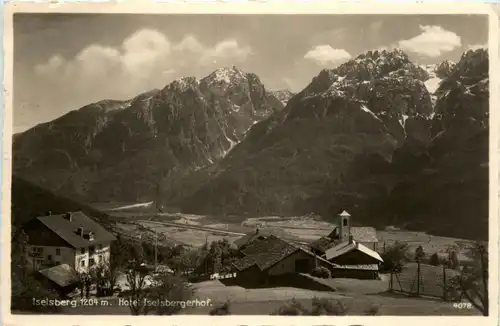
444,69
388,85
473,62
463,97
224,78
283,95
183,84
377,64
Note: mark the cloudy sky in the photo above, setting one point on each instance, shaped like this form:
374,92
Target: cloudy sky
64,61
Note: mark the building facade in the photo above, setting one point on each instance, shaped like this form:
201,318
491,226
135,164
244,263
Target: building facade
73,239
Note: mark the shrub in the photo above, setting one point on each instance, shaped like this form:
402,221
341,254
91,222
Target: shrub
327,307
435,261
291,309
395,257
419,254
372,311
221,310
321,272
319,307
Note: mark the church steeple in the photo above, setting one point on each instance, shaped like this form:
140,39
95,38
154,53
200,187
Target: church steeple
344,226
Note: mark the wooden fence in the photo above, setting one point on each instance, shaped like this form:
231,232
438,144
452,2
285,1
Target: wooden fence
423,280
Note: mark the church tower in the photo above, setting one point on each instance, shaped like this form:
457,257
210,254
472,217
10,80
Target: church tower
344,226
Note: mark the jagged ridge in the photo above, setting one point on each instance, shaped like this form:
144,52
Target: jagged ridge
98,151
363,136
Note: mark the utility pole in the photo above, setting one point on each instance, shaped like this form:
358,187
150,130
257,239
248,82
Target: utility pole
157,199
157,212
156,250
206,257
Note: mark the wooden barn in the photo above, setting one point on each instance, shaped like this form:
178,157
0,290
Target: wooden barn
61,278
354,260
266,258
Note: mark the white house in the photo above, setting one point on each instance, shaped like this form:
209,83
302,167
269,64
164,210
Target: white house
71,238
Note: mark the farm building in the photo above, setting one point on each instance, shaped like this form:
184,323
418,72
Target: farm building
367,236
245,240
61,278
269,257
354,260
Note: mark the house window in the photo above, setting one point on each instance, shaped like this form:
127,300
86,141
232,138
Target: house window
82,251
345,222
100,258
82,263
91,250
37,251
91,262
49,257
58,251
58,263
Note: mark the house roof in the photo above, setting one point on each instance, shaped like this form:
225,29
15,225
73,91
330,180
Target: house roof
62,275
67,229
345,247
265,253
344,214
323,243
249,238
360,233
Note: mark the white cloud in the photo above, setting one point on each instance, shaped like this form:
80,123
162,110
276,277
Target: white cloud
432,42
477,46
146,59
325,54
225,50
190,43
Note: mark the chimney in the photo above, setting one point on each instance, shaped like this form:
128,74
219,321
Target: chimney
68,216
49,213
91,236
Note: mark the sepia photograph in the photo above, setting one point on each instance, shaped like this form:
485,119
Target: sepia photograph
250,164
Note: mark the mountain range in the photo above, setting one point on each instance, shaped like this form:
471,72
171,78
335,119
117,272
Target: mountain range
393,142
95,153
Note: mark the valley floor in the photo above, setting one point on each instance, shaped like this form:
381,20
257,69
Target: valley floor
189,230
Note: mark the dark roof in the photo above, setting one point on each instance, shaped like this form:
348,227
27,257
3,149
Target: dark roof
359,234
62,275
323,244
67,229
249,238
265,253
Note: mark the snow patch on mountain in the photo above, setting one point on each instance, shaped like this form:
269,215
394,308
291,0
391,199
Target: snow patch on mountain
367,110
282,95
434,81
403,119
182,84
